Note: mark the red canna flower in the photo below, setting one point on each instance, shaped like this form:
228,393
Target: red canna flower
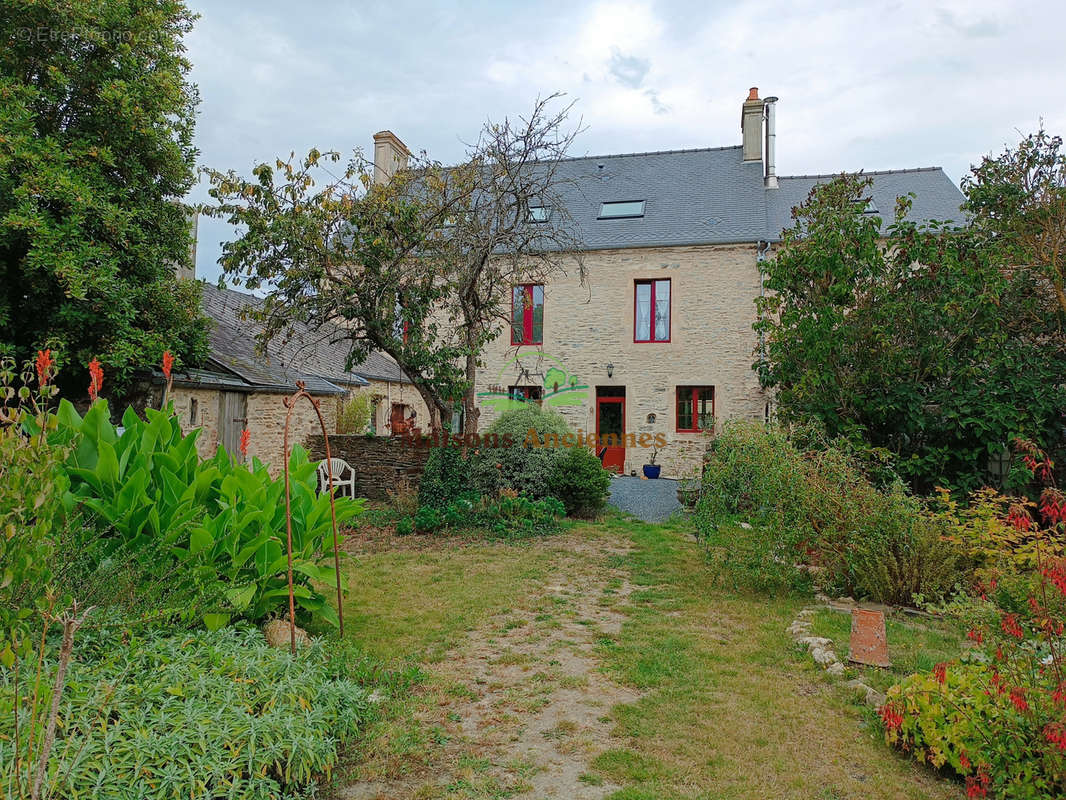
940,672
964,762
246,437
44,366
168,363
974,788
96,380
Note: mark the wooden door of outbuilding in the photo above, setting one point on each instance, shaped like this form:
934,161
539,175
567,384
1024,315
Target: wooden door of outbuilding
232,419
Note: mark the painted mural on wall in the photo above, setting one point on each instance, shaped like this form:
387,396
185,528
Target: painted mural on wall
538,378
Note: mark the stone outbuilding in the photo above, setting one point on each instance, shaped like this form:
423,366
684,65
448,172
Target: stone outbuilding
239,388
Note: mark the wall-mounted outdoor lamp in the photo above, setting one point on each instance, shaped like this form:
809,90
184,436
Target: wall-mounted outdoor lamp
651,419
610,369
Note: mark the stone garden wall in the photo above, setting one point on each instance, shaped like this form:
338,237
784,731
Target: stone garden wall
381,463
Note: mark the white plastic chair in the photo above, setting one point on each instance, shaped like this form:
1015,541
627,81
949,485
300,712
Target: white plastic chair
343,477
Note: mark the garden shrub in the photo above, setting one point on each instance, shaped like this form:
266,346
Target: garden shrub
509,515
757,558
999,720
518,517
446,476
818,506
524,467
428,519
354,416
966,718
209,714
914,560
579,480
753,471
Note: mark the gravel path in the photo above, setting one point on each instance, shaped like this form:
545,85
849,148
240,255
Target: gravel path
651,501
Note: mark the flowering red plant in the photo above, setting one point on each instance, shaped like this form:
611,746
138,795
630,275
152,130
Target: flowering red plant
999,717
44,367
168,364
246,437
96,380
940,672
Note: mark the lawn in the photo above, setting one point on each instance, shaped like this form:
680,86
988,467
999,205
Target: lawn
604,662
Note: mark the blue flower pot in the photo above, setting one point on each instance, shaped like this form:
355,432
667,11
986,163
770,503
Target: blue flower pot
652,470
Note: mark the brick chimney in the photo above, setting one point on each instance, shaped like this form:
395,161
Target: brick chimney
192,216
751,115
390,155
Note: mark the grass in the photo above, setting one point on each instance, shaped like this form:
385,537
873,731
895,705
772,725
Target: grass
728,707
417,603
915,644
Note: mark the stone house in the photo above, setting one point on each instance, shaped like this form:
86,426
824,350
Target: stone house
657,350
241,389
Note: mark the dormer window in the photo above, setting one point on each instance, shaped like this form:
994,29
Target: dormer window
537,214
622,209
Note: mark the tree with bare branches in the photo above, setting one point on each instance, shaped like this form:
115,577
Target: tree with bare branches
420,267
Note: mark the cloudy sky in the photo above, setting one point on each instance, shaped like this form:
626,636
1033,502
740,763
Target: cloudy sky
862,85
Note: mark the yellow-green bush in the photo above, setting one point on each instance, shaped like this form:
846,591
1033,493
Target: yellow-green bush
976,723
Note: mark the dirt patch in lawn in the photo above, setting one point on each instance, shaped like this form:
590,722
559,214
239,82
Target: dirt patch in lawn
521,706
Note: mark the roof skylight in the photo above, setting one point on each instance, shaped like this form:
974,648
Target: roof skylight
538,214
621,209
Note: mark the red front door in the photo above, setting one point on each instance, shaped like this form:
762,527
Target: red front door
397,420
611,427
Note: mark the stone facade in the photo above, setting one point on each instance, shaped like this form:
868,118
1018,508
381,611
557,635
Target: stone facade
713,288
199,408
387,393
266,424
382,463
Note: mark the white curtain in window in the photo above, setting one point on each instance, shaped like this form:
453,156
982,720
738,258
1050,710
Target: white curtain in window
643,311
662,310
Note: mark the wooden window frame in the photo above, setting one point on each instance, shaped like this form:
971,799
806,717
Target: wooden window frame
693,392
651,325
527,315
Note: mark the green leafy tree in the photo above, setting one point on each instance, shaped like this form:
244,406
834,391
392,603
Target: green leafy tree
915,339
350,258
1018,202
96,128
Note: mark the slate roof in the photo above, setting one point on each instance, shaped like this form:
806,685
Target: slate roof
936,197
712,196
313,357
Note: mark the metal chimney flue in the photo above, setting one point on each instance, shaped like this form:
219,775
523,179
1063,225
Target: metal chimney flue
771,143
